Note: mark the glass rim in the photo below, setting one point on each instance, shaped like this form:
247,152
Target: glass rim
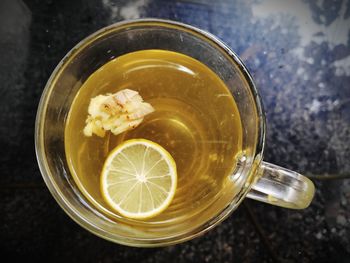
72,212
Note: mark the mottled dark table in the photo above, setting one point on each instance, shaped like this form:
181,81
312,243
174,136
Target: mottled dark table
299,55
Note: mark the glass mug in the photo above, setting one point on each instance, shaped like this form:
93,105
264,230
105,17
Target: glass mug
252,177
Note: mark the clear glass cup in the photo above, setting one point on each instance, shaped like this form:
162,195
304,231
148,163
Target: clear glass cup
253,178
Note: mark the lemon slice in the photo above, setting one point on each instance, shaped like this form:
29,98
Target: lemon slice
139,179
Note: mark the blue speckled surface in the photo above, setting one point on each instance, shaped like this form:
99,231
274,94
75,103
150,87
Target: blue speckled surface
298,53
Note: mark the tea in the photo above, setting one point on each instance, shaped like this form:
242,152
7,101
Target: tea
195,119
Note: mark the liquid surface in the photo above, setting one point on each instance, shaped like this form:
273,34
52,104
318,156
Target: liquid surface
196,120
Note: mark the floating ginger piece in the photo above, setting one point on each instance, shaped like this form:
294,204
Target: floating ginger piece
116,112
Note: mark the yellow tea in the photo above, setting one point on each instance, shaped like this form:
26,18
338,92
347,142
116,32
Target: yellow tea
195,119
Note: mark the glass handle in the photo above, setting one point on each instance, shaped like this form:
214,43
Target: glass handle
282,187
